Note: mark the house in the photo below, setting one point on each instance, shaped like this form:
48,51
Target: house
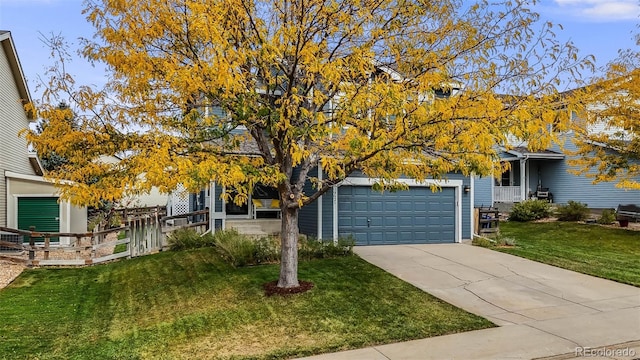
153,198
26,198
547,174
352,208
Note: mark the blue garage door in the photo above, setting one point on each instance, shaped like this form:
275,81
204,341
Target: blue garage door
414,216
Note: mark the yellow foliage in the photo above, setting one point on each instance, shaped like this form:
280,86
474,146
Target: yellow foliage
246,92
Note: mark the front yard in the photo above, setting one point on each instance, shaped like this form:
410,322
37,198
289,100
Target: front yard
610,253
191,304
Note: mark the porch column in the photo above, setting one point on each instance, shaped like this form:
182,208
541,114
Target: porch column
523,179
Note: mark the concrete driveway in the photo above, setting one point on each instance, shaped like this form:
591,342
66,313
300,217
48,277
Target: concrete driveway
541,310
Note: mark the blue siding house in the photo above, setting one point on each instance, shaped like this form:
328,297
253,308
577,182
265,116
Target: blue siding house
548,173
352,208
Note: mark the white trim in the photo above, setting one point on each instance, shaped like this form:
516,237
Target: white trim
456,184
319,204
354,181
335,213
35,178
458,220
528,178
523,179
472,201
212,206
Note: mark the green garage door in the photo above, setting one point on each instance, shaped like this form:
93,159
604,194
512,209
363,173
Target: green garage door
41,212
414,216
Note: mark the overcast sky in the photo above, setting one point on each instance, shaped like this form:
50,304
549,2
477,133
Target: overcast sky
597,27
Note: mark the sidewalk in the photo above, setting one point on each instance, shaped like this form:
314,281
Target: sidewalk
542,311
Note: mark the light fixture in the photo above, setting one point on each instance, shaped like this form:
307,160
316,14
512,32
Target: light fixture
466,189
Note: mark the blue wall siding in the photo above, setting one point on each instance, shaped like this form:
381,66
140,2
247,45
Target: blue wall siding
327,214
566,186
218,200
308,216
482,191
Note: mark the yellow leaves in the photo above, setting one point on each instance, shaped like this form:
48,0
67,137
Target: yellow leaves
351,83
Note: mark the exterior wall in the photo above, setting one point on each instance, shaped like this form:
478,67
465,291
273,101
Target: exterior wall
483,196
13,153
327,214
153,198
308,216
566,186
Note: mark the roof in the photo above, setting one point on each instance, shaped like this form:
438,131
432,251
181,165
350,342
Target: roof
16,69
523,152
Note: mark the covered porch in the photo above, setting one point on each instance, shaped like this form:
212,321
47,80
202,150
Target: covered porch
259,216
525,178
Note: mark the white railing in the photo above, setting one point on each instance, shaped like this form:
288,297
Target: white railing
507,194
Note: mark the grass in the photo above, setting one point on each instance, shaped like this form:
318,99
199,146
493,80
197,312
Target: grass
191,304
590,249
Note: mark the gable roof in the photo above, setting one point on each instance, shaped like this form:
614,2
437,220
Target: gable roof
16,69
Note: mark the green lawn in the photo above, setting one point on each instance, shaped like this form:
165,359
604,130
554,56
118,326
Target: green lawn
590,249
190,304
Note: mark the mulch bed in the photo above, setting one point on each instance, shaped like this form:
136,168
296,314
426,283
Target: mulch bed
271,288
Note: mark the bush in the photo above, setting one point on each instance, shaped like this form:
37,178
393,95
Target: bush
242,250
608,217
237,249
185,238
530,210
494,240
311,248
482,242
573,211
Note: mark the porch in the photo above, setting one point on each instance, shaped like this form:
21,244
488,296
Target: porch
255,227
530,175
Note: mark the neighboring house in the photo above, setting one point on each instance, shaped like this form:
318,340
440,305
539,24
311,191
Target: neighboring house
153,198
26,199
548,173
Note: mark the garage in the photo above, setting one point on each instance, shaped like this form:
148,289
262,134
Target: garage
43,213
413,216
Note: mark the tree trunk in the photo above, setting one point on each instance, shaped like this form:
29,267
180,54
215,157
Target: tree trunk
289,248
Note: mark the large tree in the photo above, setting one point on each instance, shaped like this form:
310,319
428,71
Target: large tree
346,85
609,141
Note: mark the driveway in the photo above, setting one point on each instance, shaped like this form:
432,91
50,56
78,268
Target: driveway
541,310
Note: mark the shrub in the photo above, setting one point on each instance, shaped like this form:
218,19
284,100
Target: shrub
572,211
608,217
529,210
481,241
237,249
185,238
267,250
311,248
242,250
505,241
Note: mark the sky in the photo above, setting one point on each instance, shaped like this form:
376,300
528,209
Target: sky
596,27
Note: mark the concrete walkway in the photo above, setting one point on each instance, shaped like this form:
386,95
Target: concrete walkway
542,310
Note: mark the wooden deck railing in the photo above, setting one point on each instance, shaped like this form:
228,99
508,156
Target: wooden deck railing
142,235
